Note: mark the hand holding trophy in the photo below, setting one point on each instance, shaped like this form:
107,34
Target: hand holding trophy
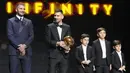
68,43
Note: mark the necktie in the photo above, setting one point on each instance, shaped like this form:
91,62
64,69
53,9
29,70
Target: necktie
20,18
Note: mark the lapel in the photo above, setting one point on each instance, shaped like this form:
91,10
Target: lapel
63,31
118,57
24,22
87,50
81,51
98,43
16,24
55,31
16,19
101,47
106,44
22,25
122,58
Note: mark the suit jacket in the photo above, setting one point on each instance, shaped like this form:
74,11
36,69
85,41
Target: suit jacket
80,55
52,37
98,52
116,63
19,32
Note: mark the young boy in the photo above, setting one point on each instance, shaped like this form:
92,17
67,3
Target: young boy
118,62
102,51
85,55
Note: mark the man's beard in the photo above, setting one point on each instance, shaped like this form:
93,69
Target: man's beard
20,14
55,21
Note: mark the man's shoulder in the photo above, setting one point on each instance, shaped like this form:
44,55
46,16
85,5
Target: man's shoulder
50,24
108,41
89,46
11,19
66,25
78,46
95,41
114,52
26,19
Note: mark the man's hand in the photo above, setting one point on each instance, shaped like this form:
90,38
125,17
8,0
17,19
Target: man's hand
57,43
110,67
24,45
123,68
62,44
67,51
88,61
83,62
22,49
120,69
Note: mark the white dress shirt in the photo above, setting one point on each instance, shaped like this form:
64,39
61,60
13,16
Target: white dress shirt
120,56
103,47
85,52
19,17
59,31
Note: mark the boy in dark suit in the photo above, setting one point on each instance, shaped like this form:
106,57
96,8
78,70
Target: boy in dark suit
118,62
85,55
102,51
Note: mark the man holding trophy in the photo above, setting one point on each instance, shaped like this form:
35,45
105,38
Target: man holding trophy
58,35
20,35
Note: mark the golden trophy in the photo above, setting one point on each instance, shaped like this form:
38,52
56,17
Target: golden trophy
69,42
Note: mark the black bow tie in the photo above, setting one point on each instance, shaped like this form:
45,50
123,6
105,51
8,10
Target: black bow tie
59,25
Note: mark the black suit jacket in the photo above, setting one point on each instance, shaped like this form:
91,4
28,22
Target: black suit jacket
116,63
52,37
19,32
98,52
80,56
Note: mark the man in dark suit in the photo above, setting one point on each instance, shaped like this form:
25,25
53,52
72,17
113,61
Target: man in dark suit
118,61
20,35
102,49
55,33
85,55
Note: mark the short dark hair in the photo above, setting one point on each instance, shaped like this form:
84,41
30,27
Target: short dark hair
19,3
84,36
58,10
116,42
100,29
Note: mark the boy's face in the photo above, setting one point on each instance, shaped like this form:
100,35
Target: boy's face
117,48
85,41
102,34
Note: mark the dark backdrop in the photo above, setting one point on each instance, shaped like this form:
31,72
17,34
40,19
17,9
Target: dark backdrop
116,26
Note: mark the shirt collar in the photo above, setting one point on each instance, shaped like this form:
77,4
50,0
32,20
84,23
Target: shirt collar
19,16
84,45
101,40
118,52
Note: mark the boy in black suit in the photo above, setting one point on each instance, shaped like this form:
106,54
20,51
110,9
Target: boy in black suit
118,62
102,51
85,55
